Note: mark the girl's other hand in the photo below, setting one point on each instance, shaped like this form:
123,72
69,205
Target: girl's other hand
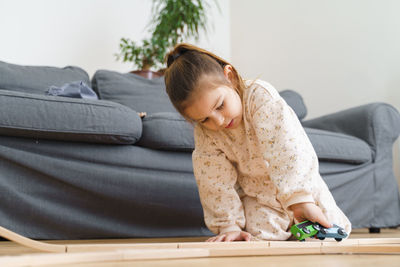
231,236
309,211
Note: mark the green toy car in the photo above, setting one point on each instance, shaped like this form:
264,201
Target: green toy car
304,229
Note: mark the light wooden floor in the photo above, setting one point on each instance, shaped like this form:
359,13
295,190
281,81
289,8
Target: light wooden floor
9,248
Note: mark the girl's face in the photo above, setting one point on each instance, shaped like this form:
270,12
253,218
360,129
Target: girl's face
216,109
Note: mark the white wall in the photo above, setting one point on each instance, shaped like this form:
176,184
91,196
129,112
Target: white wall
86,33
336,53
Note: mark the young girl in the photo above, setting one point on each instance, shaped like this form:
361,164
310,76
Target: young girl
256,170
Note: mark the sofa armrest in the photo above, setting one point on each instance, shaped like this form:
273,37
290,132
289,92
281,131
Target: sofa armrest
376,123
67,119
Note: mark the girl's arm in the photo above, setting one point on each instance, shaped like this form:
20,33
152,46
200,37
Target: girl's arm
216,179
287,151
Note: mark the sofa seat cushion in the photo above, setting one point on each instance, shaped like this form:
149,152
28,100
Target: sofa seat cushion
167,131
67,119
134,91
38,79
170,131
337,147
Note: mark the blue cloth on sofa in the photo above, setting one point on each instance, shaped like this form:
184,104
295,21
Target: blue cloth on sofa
73,89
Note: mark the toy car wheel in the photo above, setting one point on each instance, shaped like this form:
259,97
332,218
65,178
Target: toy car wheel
341,232
323,231
316,227
321,238
338,239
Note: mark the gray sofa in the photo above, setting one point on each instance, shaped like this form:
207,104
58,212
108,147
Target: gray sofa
76,168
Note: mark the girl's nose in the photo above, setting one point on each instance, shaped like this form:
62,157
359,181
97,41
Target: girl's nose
219,120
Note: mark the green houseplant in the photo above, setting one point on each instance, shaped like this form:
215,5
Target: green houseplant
173,21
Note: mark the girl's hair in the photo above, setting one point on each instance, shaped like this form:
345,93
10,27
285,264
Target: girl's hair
186,64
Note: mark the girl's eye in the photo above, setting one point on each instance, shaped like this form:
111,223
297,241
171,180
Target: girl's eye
218,108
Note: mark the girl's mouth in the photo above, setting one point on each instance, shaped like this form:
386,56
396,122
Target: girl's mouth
230,124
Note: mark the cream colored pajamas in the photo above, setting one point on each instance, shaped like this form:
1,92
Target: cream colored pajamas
248,177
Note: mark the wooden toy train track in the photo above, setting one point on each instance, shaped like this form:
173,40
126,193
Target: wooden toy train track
80,253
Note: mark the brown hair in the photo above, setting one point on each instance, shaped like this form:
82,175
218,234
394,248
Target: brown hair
186,64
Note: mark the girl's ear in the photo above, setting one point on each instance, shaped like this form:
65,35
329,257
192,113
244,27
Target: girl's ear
228,72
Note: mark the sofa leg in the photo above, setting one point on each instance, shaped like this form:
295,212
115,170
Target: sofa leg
374,230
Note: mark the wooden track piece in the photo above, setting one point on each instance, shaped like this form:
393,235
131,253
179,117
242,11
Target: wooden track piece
237,245
108,247
27,242
375,241
120,252
165,254
103,256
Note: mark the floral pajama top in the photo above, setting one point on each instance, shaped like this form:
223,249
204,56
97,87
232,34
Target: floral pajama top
268,157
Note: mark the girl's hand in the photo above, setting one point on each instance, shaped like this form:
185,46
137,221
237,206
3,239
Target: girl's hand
231,236
309,211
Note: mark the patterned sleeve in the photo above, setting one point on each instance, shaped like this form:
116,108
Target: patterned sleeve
216,180
287,152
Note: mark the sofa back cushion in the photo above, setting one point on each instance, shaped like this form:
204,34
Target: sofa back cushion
38,79
295,101
148,95
167,131
131,90
163,127
67,119
338,147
